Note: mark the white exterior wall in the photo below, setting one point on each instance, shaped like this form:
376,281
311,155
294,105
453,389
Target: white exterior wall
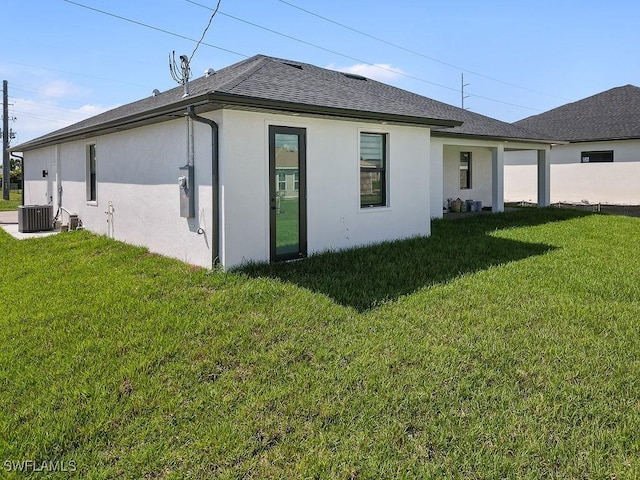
39,190
572,181
445,165
137,170
436,181
481,181
334,217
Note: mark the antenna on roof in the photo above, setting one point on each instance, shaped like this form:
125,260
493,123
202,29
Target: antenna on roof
180,74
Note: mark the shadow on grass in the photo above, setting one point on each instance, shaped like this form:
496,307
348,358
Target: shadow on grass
363,278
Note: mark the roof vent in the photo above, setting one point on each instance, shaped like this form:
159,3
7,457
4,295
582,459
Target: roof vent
354,76
208,72
155,92
293,65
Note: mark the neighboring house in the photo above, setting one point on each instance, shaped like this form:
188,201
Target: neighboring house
287,172
282,159
601,161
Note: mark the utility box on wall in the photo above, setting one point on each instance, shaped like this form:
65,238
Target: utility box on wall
187,190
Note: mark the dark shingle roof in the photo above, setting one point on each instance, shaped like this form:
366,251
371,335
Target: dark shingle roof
476,125
272,83
610,115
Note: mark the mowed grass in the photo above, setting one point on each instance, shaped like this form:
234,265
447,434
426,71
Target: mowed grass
288,225
13,203
507,346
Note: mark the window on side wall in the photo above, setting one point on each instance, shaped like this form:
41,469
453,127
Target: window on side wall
597,156
465,170
91,180
373,170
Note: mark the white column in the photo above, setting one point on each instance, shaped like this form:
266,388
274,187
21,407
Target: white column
436,178
544,178
497,177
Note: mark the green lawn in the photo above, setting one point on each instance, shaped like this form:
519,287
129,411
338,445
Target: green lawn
13,202
504,346
287,225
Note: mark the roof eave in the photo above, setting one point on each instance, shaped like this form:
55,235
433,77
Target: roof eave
122,123
438,133
605,139
226,99
284,106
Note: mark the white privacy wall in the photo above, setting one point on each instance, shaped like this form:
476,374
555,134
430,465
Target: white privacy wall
521,176
137,170
572,181
334,217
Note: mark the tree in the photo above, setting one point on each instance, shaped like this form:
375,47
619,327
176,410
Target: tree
15,167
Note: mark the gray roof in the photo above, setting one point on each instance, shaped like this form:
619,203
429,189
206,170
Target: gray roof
283,85
476,125
610,115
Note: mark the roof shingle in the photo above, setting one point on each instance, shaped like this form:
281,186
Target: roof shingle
610,115
308,88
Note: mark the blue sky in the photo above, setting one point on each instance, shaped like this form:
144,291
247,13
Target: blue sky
65,62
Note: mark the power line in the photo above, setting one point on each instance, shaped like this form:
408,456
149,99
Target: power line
205,30
136,22
380,67
15,87
40,117
414,52
45,106
334,52
72,73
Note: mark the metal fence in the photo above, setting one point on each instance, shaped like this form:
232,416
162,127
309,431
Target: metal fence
625,210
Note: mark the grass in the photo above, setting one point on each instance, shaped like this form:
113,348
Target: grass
13,203
508,348
287,226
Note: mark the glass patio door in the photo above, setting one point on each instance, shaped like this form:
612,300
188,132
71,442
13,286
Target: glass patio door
287,195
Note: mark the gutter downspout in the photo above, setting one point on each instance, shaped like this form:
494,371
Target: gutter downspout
215,181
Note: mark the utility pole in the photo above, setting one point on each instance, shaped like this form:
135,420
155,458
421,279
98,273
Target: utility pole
462,95
6,164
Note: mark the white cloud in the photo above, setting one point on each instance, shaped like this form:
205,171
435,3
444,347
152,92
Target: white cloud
383,72
62,89
39,118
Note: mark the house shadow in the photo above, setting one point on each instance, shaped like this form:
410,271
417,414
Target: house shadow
363,278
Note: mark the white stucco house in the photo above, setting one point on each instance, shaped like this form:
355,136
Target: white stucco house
270,159
599,162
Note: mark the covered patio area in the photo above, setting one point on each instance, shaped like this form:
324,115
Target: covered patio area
468,173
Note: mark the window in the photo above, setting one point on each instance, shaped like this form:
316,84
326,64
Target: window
282,182
465,170
92,184
296,181
599,156
373,169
